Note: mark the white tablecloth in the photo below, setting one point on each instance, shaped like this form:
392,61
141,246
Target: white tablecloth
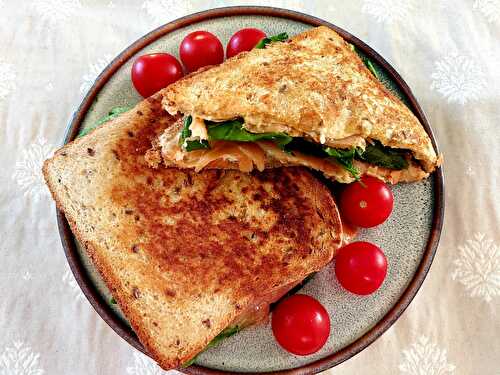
449,53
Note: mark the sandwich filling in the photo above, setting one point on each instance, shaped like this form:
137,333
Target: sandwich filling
198,143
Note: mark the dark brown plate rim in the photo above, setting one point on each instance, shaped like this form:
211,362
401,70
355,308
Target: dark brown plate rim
119,326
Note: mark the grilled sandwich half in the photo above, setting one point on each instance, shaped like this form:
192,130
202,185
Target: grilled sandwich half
189,257
309,101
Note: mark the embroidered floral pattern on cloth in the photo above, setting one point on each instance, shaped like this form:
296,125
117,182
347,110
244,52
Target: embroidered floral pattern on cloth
51,52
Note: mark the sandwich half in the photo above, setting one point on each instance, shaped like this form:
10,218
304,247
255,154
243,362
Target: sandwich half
309,101
189,257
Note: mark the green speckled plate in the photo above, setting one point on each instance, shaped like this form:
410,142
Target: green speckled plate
409,238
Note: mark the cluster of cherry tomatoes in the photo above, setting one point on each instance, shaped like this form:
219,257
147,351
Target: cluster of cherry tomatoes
151,73
300,323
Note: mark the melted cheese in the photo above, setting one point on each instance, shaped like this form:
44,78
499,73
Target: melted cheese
198,129
413,173
255,153
245,155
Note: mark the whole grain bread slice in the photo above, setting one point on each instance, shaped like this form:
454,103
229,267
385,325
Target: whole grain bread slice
184,253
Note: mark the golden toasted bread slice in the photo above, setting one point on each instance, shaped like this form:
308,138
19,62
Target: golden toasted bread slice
188,254
313,87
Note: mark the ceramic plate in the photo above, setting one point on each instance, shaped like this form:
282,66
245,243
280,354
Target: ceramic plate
409,238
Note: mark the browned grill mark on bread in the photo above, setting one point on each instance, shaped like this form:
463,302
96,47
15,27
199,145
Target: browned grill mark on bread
190,231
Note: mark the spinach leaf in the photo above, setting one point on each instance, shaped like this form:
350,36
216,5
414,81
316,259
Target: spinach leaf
383,156
190,362
375,153
229,331
275,38
197,145
113,113
345,158
368,63
233,131
342,157
186,133
370,67
305,147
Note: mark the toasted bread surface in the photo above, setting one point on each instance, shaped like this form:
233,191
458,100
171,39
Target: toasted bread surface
184,253
314,86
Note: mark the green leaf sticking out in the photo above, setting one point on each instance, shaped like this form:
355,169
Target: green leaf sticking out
275,38
113,113
378,154
186,133
370,67
368,63
345,158
340,156
232,130
229,331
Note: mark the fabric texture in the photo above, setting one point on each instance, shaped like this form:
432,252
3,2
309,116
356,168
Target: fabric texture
447,51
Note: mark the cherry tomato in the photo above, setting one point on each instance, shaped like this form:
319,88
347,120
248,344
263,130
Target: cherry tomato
368,203
244,40
153,72
360,267
200,48
300,324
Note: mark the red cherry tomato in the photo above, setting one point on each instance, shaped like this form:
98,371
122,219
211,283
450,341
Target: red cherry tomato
200,48
368,203
153,72
244,40
301,324
360,267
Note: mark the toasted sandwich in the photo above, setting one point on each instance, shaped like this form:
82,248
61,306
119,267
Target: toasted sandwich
310,101
189,257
